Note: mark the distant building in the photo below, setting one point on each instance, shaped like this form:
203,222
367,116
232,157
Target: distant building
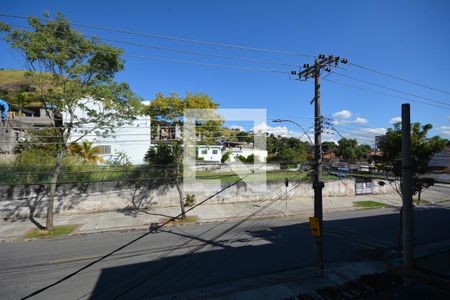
329,156
260,155
133,138
210,153
21,120
379,139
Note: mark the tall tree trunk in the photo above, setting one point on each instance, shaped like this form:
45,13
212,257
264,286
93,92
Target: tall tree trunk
180,193
178,184
52,193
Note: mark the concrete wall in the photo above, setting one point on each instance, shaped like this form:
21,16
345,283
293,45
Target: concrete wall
218,167
16,201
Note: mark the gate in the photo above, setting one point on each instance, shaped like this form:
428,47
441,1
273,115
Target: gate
363,186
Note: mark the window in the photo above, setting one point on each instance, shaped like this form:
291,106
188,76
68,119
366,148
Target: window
215,151
106,149
204,152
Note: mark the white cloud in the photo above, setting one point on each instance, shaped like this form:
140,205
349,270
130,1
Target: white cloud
280,131
339,122
277,130
237,127
362,135
359,120
343,114
373,131
395,120
445,130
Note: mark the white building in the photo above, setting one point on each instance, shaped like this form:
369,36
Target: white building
260,155
210,153
133,138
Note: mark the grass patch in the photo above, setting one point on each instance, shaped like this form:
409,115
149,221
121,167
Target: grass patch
422,201
271,176
187,220
57,231
369,204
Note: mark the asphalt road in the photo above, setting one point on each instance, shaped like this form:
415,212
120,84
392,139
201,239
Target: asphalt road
184,257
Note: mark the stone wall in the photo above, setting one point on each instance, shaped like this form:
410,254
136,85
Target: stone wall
16,201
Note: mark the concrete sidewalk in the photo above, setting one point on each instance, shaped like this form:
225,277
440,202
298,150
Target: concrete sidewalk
127,220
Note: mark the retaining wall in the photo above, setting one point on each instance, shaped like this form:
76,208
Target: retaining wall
16,201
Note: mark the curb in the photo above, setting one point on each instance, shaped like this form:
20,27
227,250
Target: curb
145,227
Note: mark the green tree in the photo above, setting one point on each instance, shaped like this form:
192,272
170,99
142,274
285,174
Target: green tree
169,110
286,150
81,73
166,159
165,163
422,150
347,149
363,152
88,153
225,157
329,147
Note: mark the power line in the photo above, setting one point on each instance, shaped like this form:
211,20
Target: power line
202,53
175,38
136,239
178,50
152,274
399,78
391,89
165,254
193,62
383,93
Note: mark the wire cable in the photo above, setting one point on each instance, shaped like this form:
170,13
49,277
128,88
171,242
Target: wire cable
136,239
143,280
399,78
385,94
175,49
194,62
174,38
391,89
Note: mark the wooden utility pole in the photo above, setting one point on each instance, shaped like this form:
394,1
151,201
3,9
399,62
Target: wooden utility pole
407,207
316,222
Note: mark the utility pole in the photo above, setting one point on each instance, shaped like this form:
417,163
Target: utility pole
407,208
316,222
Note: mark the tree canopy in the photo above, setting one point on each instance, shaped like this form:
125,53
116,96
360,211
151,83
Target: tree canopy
422,150
169,110
349,150
73,75
286,150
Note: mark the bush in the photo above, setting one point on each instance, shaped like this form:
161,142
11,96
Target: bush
190,200
225,157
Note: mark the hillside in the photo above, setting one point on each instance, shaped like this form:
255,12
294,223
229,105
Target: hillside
13,82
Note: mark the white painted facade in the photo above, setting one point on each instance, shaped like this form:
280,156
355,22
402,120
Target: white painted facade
260,155
210,153
131,138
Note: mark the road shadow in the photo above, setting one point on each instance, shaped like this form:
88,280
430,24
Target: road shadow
279,248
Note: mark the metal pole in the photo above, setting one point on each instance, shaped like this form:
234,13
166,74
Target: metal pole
317,184
286,183
407,216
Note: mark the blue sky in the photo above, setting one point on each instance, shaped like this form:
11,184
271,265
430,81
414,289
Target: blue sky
406,38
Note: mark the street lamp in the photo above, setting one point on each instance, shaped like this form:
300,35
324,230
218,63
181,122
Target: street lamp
301,127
